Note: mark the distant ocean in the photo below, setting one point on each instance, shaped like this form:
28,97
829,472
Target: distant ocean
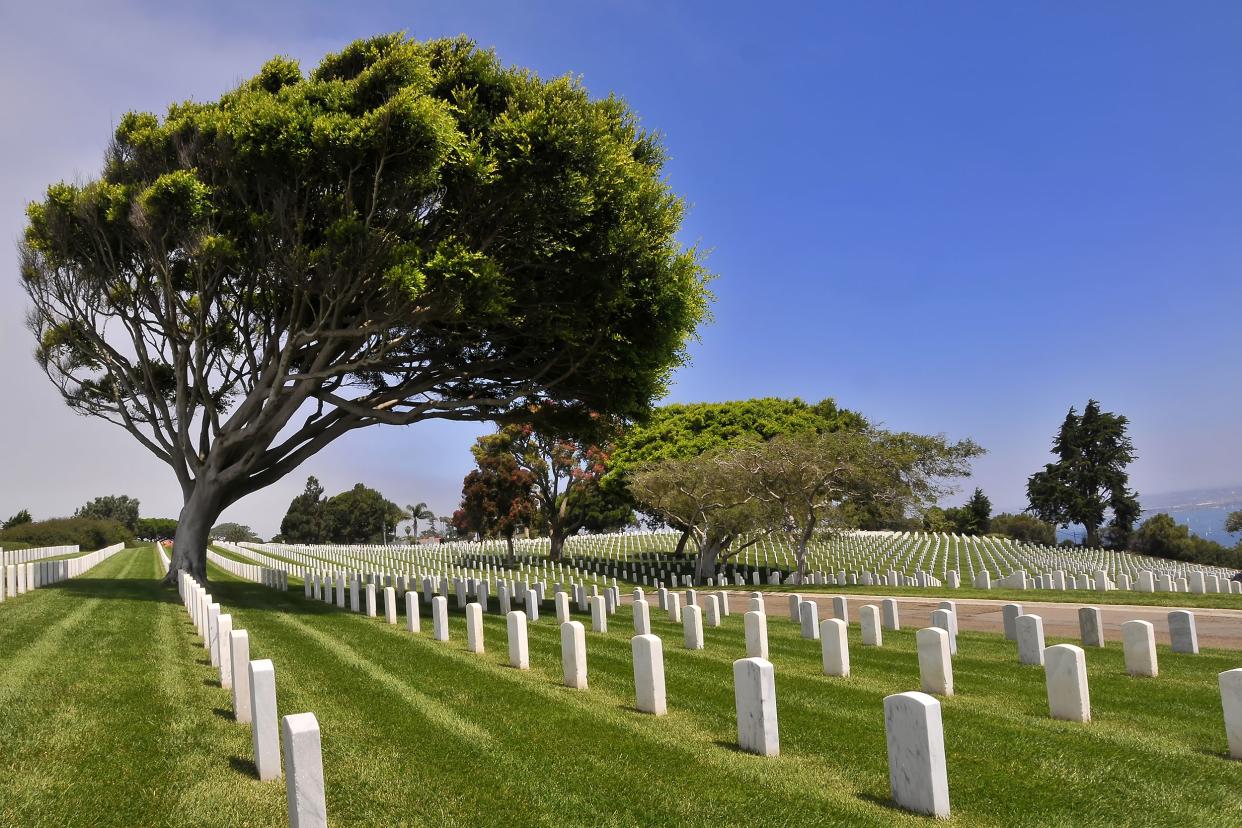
1203,510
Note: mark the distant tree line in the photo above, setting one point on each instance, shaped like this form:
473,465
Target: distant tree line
725,475
357,515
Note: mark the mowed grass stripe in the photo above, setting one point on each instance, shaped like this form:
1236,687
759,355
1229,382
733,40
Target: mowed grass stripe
392,707
123,729
602,719
848,709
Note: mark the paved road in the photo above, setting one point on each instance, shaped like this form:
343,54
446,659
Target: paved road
1217,627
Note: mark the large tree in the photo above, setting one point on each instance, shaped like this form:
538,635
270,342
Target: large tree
304,521
1088,479
565,472
22,516
496,499
360,515
974,517
411,231
156,528
683,431
235,533
121,508
1233,522
805,479
707,496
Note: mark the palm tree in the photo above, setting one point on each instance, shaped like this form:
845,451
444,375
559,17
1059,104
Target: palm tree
420,512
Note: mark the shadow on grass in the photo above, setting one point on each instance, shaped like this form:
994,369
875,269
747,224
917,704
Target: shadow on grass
223,713
132,589
721,743
244,766
244,595
1223,755
885,802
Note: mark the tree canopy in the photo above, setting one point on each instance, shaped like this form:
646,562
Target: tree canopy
87,532
412,230
1162,536
156,528
235,533
1024,528
418,511
304,520
22,516
360,515
795,484
681,431
1233,522
974,517
121,508
1088,479
496,498
565,477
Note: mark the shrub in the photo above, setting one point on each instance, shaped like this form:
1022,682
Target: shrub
87,533
1024,528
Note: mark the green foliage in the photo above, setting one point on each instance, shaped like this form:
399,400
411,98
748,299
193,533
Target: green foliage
972,518
978,514
121,508
1089,477
796,483
235,533
681,431
1024,527
416,512
360,515
156,528
1163,537
23,516
304,521
463,238
496,498
87,532
1233,522
936,519
565,474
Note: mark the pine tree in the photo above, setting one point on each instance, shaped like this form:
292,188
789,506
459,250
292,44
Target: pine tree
1089,478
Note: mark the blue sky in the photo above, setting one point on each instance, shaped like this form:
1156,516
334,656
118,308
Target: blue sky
953,217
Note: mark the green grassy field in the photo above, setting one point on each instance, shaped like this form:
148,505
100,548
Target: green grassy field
1054,596
112,716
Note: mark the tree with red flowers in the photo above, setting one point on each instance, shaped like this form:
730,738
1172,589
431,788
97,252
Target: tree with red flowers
566,472
496,499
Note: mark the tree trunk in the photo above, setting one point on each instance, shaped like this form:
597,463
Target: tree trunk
198,515
799,574
705,563
512,554
681,543
557,538
1093,535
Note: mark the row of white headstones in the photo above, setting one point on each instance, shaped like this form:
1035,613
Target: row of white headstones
20,578
253,686
1064,664
913,723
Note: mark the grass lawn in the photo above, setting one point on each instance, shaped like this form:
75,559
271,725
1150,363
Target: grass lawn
1218,600
113,717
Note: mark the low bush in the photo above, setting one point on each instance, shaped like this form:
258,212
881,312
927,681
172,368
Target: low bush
87,533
